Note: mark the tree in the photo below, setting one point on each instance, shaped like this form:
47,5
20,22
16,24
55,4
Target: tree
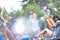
35,8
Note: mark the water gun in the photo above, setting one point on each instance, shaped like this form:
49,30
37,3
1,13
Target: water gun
50,20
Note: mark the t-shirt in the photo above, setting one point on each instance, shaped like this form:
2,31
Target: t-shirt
56,32
43,23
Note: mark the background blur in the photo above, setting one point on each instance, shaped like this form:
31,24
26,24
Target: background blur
22,8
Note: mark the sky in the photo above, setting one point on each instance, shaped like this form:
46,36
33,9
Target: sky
11,4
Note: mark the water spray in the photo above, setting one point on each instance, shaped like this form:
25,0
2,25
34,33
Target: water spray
19,26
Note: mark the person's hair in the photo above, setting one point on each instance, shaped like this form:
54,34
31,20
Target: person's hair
55,16
0,9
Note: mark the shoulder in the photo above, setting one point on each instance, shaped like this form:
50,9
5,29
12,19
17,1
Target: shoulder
58,21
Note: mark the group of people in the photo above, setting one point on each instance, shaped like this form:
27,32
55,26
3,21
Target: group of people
53,32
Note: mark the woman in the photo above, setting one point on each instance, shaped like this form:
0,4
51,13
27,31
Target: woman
3,29
51,33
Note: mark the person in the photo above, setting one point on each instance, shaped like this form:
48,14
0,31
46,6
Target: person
56,31
34,22
3,29
53,34
1,26
8,31
43,23
43,20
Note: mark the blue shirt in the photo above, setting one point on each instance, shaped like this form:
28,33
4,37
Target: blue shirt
56,32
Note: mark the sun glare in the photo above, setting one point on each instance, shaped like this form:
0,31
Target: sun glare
19,26
11,4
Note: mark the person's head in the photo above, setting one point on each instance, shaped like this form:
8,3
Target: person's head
45,8
31,12
8,18
0,11
34,15
55,18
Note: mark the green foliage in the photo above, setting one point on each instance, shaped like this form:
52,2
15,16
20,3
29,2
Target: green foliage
32,1
12,14
34,5
18,13
35,8
55,3
58,14
53,12
5,13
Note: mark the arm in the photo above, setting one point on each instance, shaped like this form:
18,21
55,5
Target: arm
9,34
50,22
50,25
45,32
5,35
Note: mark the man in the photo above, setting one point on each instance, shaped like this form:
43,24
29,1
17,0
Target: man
34,23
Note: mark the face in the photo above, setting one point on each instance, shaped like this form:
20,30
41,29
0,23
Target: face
8,18
34,16
56,19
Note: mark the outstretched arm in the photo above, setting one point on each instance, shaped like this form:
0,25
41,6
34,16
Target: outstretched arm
7,31
9,34
44,33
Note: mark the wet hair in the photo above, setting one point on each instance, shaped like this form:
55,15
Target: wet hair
0,9
55,16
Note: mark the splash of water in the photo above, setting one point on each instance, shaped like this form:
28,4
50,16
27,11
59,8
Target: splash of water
19,26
